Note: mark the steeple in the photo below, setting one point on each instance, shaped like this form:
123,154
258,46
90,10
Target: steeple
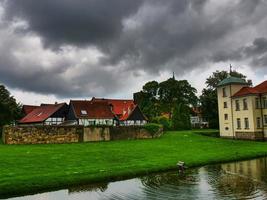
173,77
230,72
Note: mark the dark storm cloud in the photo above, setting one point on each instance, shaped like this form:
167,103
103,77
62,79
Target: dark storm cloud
76,22
131,35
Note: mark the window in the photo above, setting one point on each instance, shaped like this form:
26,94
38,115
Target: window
83,112
265,119
225,116
246,123
225,104
224,92
237,105
245,104
238,123
258,122
264,102
258,103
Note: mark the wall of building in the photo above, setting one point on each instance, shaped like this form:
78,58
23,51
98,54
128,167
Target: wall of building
251,113
226,126
72,134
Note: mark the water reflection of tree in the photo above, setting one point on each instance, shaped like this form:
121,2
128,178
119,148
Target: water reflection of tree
239,179
89,188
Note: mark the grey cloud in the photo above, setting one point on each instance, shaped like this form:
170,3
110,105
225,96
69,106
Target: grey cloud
255,52
76,22
141,35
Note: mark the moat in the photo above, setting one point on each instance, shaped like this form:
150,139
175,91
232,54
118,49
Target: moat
236,180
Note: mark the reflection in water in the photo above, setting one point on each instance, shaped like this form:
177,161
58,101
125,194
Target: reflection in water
239,180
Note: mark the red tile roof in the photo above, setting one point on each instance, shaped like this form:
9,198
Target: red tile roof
28,108
120,107
245,91
93,110
262,88
41,113
259,89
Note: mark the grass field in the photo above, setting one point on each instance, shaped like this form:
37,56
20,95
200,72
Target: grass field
29,168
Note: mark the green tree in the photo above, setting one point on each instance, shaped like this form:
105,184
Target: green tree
157,98
208,98
147,99
10,110
181,117
172,92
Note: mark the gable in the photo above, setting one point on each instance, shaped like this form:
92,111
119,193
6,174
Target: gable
136,114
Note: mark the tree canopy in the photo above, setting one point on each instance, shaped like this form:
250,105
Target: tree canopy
10,110
156,98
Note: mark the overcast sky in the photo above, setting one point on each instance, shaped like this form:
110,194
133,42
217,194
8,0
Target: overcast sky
65,49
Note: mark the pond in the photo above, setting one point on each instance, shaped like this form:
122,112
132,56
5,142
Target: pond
237,180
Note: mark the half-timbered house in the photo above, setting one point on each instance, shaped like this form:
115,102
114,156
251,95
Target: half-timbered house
46,114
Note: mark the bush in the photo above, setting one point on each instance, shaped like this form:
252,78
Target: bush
212,133
165,122
153,128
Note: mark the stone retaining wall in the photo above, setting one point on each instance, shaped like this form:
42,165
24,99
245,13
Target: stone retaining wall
41,134
250,135
71,134
92,133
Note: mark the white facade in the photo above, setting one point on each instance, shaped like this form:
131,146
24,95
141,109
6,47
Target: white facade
87,122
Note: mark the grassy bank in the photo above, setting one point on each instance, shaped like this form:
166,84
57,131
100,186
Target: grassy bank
29,168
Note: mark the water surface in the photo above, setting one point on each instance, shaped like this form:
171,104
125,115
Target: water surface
237,180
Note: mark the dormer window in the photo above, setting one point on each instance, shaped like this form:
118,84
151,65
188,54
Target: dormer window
39,114
83,112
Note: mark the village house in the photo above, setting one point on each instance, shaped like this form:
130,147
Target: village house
85,113
197,119
127,112
98,111
45,114
242,109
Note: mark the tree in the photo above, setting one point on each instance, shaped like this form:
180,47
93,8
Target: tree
172,92
181,117
147,99
157,98
10,110
208,98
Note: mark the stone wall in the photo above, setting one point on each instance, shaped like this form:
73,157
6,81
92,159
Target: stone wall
70,134
130,132
41,134
249,135
92,133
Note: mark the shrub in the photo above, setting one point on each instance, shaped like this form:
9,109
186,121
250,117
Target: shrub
165,122
153,128
204,132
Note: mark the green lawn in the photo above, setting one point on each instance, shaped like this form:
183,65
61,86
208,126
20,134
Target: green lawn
29,168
